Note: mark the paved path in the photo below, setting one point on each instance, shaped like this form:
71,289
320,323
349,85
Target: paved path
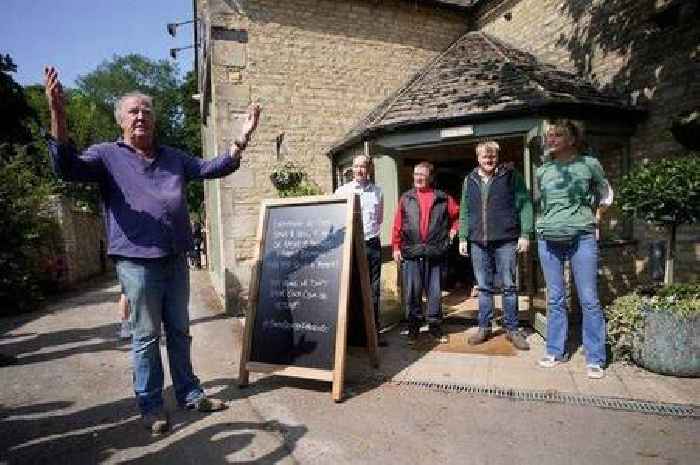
521,372
68,400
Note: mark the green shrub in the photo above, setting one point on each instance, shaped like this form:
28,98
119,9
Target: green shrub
665,191
26,237
680,291
625,316
680,299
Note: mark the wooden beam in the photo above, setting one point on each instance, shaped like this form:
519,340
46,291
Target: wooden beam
287,370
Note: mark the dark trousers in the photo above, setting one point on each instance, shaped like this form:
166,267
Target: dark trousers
374,263
423,274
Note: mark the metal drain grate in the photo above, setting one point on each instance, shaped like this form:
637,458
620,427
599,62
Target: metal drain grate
614,403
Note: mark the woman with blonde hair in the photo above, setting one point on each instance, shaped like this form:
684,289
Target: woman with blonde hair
571,189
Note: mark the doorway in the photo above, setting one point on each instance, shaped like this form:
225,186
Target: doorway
452,164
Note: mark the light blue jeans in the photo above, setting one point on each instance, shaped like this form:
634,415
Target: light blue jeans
582,251
496,258
158,290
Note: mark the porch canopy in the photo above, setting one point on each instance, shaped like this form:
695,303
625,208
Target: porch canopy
480,79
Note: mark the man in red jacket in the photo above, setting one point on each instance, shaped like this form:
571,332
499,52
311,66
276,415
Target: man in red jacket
424,226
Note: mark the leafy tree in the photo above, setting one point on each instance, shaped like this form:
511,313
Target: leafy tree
192,139
24,233
122,74
14,110
191,124
665,192
86,127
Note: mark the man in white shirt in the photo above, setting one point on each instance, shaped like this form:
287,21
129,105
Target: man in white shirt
372,206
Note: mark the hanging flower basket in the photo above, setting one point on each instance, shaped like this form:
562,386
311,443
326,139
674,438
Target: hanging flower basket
686,129
286,176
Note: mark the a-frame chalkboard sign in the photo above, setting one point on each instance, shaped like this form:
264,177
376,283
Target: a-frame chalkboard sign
308,251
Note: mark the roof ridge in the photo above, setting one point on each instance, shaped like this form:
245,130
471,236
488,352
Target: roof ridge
414,79
492,43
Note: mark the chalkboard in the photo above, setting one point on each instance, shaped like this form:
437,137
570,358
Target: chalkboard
309,252
299,286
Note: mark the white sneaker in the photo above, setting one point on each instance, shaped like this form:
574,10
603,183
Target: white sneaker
595,371
548,361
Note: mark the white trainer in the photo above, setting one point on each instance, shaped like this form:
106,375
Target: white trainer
548,361
595,371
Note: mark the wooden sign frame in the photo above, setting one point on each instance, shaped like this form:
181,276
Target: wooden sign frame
353,254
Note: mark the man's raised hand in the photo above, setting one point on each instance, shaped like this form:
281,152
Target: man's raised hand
251,121
54,90
54,94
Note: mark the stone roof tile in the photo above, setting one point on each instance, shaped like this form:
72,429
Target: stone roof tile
478,75
461,3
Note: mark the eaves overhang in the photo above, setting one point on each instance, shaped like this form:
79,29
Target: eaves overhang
574,110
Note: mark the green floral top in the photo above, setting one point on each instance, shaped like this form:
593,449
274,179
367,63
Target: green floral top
569,192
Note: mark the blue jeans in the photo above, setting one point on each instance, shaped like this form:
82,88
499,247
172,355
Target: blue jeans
418,275
583,254
158,290
496,258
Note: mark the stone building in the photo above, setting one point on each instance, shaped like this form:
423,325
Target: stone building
404,80
316,67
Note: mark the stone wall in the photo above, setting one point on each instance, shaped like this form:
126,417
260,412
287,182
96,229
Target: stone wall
618,271
83,246
646,49
316,67
618,45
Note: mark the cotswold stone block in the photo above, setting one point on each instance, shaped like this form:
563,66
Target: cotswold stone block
234,95
243,177
229,53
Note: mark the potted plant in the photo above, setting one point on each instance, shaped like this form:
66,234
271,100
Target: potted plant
658,329
686,129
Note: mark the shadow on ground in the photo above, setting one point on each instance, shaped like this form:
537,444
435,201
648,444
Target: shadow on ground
43,434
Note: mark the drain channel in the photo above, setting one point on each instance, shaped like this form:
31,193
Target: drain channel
614,403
